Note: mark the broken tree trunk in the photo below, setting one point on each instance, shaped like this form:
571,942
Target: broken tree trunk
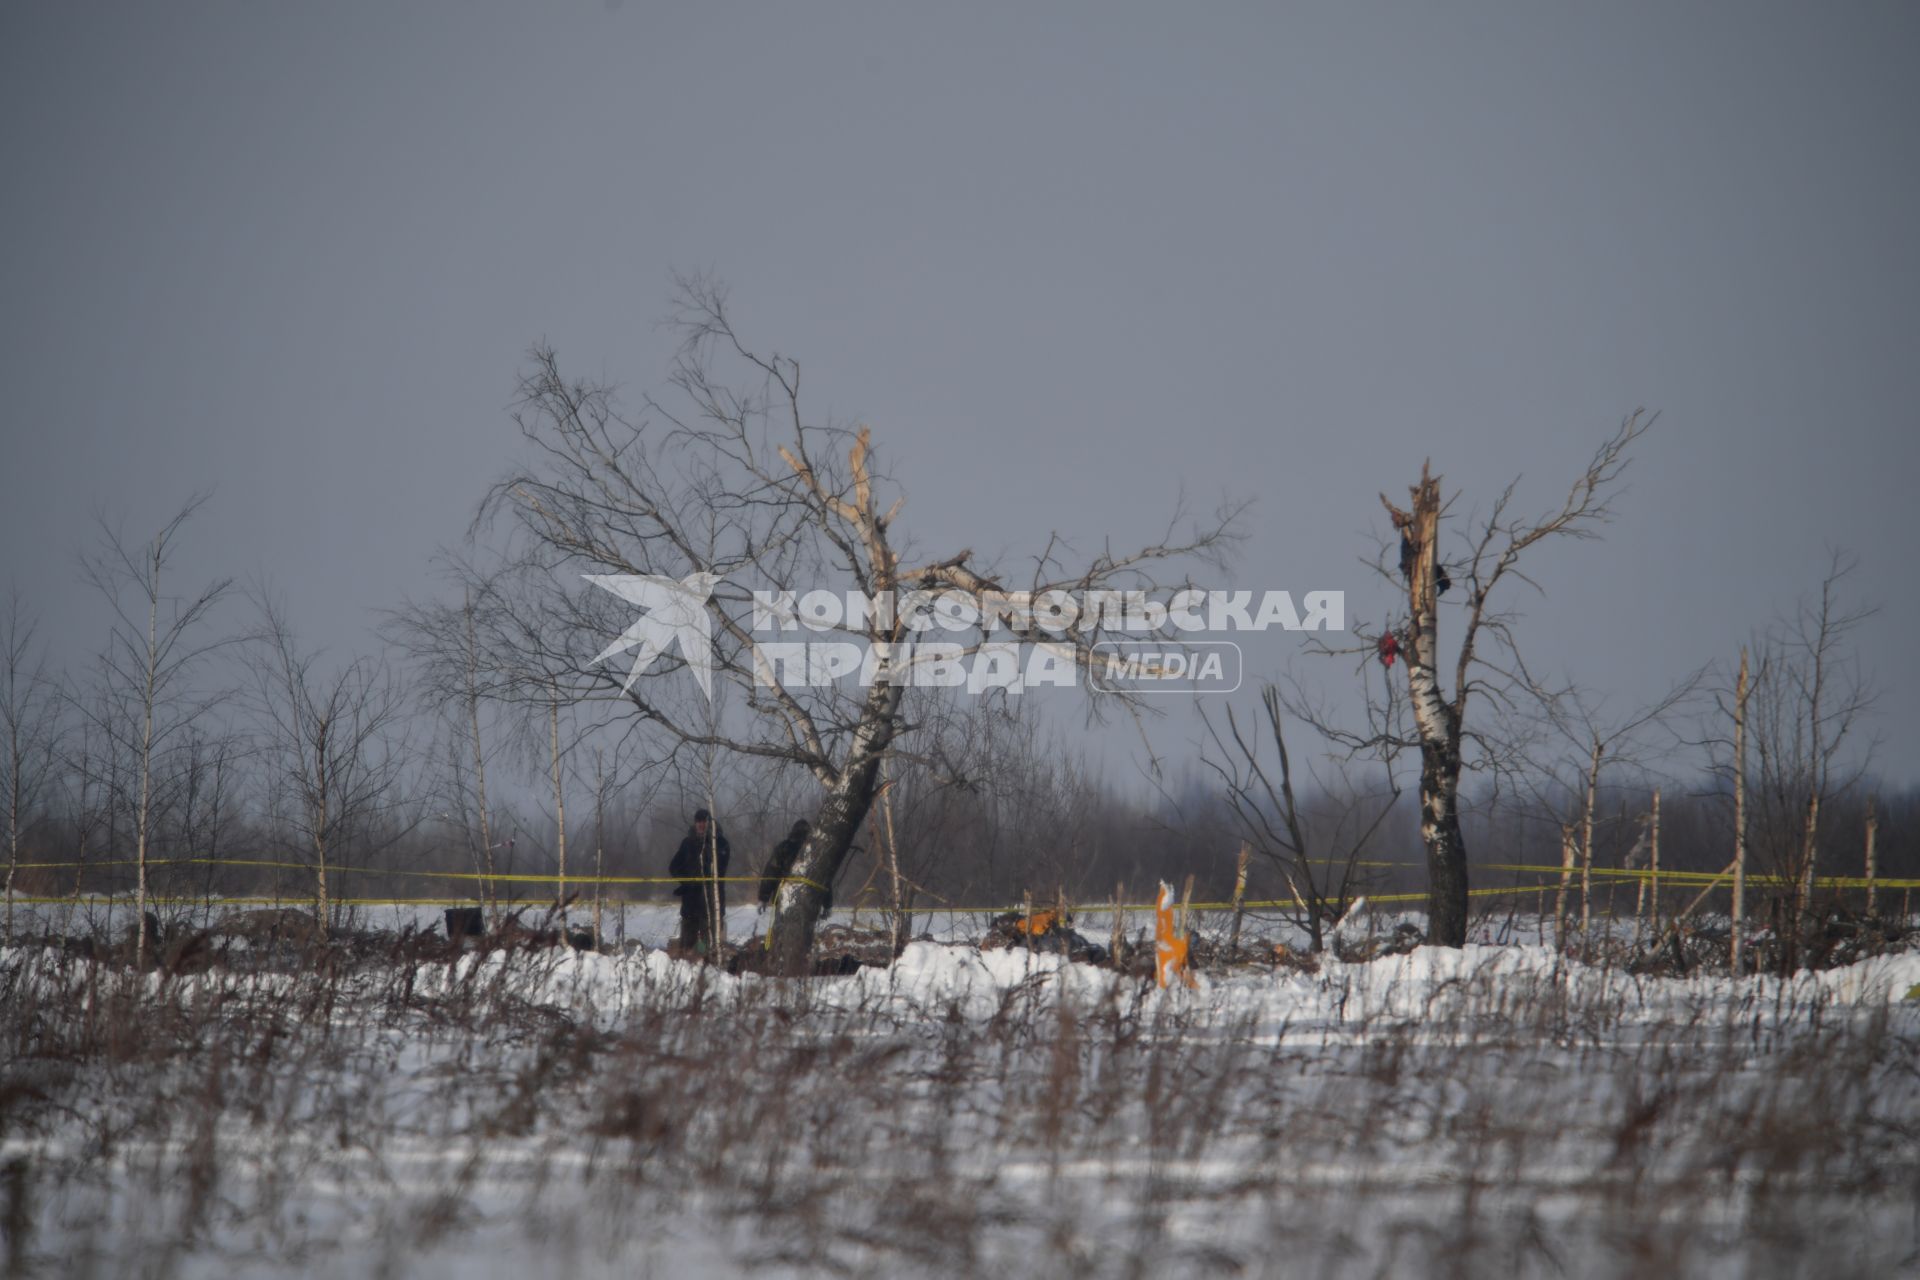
796,907
1437,719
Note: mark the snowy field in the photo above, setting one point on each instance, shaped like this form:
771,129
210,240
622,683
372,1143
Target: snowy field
1488,1111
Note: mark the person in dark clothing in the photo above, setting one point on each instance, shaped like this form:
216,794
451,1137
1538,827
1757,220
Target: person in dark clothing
697,866
780,866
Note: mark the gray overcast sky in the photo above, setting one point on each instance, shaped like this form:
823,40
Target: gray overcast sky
1062,258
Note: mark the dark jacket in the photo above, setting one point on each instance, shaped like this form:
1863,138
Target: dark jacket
780,866
693,862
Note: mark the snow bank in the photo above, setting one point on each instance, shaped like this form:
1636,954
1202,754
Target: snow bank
1432,985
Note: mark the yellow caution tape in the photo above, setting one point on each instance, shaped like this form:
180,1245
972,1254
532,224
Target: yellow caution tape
1553,873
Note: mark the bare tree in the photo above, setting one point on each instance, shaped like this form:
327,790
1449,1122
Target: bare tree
619,766
153,649
1742,692
1486,658
27,714
89,780
209,773
454,649
555,759
731,489
1592,741
1805,720
470,694
539,716
331,737
1322,874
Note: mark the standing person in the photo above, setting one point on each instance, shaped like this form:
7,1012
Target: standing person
780,866
698,865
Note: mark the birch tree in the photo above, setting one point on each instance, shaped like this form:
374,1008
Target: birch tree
331,735
1808,740
458,679
27,735
1486,559
727,485
1592,741
156,642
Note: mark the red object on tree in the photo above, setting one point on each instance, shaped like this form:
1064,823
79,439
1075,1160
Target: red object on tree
1389,649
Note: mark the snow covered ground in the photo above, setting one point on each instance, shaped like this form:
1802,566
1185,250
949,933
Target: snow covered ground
1494,1109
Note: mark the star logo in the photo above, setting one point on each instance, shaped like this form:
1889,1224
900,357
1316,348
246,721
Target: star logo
675,610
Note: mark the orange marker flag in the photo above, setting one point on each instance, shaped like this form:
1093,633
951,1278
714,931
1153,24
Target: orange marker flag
1169,951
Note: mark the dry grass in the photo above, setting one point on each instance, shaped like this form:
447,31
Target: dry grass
358,1109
